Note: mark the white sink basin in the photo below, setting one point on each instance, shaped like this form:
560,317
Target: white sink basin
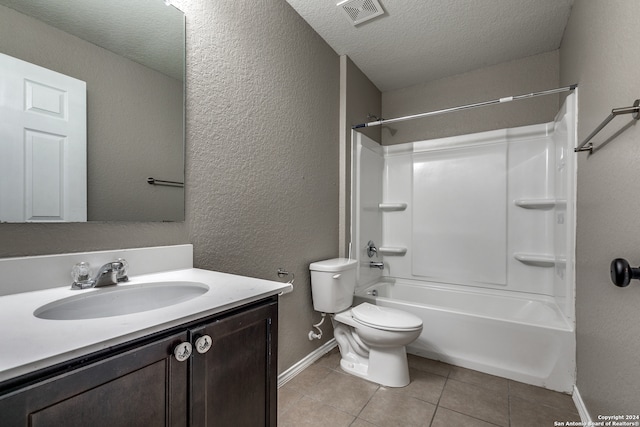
120,300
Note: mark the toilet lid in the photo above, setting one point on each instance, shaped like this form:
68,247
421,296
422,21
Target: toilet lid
385,318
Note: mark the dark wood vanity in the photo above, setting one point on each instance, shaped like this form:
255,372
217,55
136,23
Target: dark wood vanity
141,383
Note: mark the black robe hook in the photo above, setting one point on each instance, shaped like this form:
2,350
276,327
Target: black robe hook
622,272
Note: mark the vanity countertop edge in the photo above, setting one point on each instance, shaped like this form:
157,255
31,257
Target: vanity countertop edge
31,343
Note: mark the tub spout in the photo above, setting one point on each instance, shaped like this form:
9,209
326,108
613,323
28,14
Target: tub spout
374,264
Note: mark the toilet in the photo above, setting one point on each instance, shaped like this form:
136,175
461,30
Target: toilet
371,338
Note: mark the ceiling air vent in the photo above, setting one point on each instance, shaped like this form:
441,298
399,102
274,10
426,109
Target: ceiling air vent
359,11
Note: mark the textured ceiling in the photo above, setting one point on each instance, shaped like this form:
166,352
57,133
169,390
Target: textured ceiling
145,31
416,41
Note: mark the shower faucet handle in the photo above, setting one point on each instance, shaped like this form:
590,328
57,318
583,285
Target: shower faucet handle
622,273
371,249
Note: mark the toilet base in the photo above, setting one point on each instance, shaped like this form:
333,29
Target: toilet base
385,366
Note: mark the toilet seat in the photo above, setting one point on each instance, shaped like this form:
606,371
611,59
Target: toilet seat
385,318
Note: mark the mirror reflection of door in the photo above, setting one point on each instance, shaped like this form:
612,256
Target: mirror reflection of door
43,144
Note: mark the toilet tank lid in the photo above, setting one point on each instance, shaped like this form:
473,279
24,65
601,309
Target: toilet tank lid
335,264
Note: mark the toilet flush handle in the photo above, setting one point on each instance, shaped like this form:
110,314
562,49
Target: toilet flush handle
336,276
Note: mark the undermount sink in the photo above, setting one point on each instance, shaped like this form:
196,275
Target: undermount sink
119,300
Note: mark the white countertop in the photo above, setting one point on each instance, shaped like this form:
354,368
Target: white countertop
30,343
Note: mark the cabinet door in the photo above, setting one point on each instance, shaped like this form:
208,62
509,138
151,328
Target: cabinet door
235,382
145,386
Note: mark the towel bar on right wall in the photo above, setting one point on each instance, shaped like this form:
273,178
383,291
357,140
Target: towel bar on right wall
634,109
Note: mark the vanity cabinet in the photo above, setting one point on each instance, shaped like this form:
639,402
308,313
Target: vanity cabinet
141,383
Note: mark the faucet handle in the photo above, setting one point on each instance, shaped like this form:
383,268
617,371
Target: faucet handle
121,272
371,249
81,275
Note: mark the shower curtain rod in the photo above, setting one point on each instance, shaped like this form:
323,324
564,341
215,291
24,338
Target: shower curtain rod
466,107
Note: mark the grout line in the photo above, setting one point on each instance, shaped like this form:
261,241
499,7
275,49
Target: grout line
509,402
462,413
446,380
369,400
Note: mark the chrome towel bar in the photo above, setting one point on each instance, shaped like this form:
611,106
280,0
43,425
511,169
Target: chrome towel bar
154,181
634,110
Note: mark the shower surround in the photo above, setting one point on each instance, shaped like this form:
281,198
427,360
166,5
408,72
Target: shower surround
477,235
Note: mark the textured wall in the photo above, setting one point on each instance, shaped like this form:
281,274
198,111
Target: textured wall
539,72
134,120
600,54
262,150
261,159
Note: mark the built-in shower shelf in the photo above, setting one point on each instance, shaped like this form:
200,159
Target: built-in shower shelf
392,250
391,207
538,260
543,204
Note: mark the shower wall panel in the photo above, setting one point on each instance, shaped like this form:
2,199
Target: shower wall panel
491,211
367,196
460,214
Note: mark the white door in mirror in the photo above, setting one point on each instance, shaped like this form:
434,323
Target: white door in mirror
43,144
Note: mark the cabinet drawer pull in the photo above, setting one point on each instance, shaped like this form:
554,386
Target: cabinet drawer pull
182,351
203,344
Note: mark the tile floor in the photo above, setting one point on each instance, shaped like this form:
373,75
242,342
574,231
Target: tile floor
439,395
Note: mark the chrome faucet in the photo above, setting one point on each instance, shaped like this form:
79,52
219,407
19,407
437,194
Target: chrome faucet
111,273
371,249
374,264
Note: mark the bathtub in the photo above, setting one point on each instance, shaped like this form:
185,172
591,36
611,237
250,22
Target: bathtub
523,339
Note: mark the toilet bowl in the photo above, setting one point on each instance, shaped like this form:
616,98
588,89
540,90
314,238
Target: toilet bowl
371,338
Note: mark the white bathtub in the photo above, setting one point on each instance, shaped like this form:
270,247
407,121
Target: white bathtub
523,339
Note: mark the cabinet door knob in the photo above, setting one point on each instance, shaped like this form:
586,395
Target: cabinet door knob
203,344
182,351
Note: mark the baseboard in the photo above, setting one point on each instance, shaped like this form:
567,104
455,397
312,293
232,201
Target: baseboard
305,362
580,406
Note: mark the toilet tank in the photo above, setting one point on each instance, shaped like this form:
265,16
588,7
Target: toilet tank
332,284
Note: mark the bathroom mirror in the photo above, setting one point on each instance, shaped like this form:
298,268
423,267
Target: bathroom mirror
130,54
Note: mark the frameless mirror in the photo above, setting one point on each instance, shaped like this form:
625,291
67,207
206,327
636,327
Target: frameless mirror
130,56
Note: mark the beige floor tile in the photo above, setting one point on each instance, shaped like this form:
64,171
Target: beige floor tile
330,360
424,386
310,413
481,379
542,396
345,392
324,396
287,397
447,418
392,410
475,401
529,414
428,365
306,381
359,422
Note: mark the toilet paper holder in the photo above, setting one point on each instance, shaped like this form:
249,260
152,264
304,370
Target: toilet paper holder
282,273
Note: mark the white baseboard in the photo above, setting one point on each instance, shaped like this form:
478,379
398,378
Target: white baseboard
580,406
294,370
